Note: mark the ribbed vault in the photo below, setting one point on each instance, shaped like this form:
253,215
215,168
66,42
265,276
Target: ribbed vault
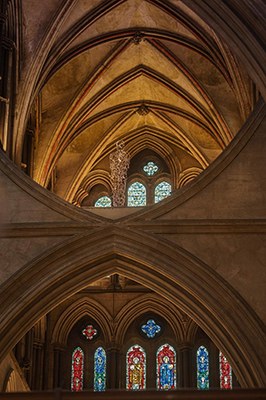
169,77
119,69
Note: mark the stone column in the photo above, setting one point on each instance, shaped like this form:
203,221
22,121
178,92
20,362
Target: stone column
26,363
37,366
58,351
112,368
184,366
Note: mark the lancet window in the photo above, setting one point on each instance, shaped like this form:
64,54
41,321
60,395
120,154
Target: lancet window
225,372
99,370
166,368
77,369
202,368
136,368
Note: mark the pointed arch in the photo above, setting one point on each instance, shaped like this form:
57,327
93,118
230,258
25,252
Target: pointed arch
72,314
180,277
148,303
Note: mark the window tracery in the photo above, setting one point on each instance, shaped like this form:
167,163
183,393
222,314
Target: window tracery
136,195
89,332
103,201
150,328
161,191
150,168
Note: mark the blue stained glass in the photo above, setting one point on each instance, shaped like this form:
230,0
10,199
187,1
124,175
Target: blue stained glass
103,201
202,368
136,195
166,367
99,370
150,168
161,191
151,328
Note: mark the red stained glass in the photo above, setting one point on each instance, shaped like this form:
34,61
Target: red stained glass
77,370
136,368
89,332
225,373
166,368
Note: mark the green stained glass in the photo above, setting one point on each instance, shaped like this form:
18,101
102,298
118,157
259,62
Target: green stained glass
136,195
150,168
103,201
202,368
161,191
99,370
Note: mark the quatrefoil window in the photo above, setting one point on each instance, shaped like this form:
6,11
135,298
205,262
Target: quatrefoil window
151,328
150,168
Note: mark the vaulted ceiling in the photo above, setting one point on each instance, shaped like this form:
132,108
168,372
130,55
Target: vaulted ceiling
149,72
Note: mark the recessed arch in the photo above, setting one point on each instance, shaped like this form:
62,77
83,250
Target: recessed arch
147,303
77,310
180,277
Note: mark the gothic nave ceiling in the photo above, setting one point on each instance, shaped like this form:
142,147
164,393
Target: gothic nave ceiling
149,72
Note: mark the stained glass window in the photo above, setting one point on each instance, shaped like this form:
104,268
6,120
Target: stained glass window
99,370
161,191
77,368
166,367
89,332
225,372
136,368
151,328
136,195
103,201
202,368
150,168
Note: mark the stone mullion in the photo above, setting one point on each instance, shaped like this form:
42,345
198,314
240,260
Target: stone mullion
37,366
112,368
184,366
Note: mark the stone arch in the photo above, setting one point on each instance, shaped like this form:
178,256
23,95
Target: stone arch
10,381
77,310
154,262
143,304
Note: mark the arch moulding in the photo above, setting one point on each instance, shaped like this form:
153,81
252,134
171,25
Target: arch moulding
157,264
